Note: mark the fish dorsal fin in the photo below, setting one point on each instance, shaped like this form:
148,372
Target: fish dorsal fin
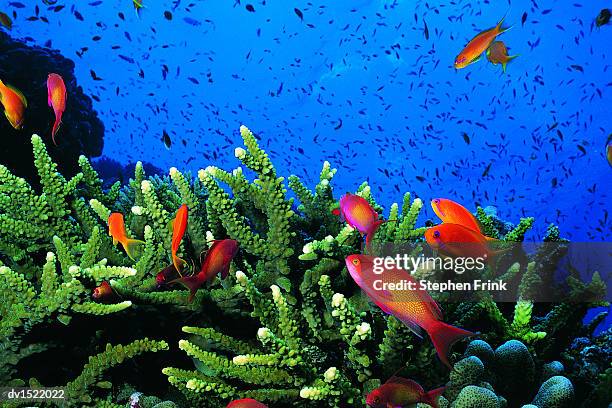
405,382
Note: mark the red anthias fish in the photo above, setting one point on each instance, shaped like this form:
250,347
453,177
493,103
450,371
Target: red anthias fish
102,291
359,214
217,261
415,308
246,403
56,98
166,275
402,392
459,241
179,225
451,212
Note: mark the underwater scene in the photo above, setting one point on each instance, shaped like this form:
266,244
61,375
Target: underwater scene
266,203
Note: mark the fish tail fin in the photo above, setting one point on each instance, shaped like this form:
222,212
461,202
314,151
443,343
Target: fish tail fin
56,126
179,264
433,395
499,27
510,58
370,234
133,248
444,336
191,283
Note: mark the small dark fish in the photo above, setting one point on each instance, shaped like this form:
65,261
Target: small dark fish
16,4
582,149
603,17
523,19
486,170
339,125
195,81
126,58
78,16
95,3
466,138
166,139
94,76
192,21
168,15
250,8
299,13
425,29
577,68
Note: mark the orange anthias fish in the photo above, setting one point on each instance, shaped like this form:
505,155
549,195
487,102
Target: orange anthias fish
451,212
359,214
116,229
14,104
179,225
457,240
609,153
402,392
102,291
217,261
479,44
497,53
56,98
246,403
415,308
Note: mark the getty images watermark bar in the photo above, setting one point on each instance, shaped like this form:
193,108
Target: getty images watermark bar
27,394
573,272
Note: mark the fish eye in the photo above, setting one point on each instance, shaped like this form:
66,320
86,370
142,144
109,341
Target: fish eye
355,261
437,200
436,234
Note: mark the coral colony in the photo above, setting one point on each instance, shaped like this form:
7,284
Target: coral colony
243,299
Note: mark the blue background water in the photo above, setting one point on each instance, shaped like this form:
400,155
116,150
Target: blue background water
367,65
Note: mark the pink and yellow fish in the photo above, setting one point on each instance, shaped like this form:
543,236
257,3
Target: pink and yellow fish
56,98
402,392
359,214
415,308
14,104
479,44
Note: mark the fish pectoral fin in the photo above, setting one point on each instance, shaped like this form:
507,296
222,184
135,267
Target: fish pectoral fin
475,60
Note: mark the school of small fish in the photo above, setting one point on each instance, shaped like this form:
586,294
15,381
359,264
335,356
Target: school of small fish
335,80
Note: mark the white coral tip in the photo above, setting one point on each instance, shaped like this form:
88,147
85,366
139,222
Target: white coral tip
239,152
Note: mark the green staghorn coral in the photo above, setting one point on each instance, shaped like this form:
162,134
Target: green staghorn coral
288,326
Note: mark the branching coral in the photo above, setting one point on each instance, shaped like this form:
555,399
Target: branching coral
288,326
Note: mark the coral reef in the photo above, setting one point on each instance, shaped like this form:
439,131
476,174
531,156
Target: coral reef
288,326
82,132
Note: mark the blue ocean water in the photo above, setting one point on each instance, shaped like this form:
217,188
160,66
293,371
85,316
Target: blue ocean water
360,85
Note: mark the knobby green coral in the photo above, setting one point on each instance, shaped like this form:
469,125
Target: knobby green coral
307,335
